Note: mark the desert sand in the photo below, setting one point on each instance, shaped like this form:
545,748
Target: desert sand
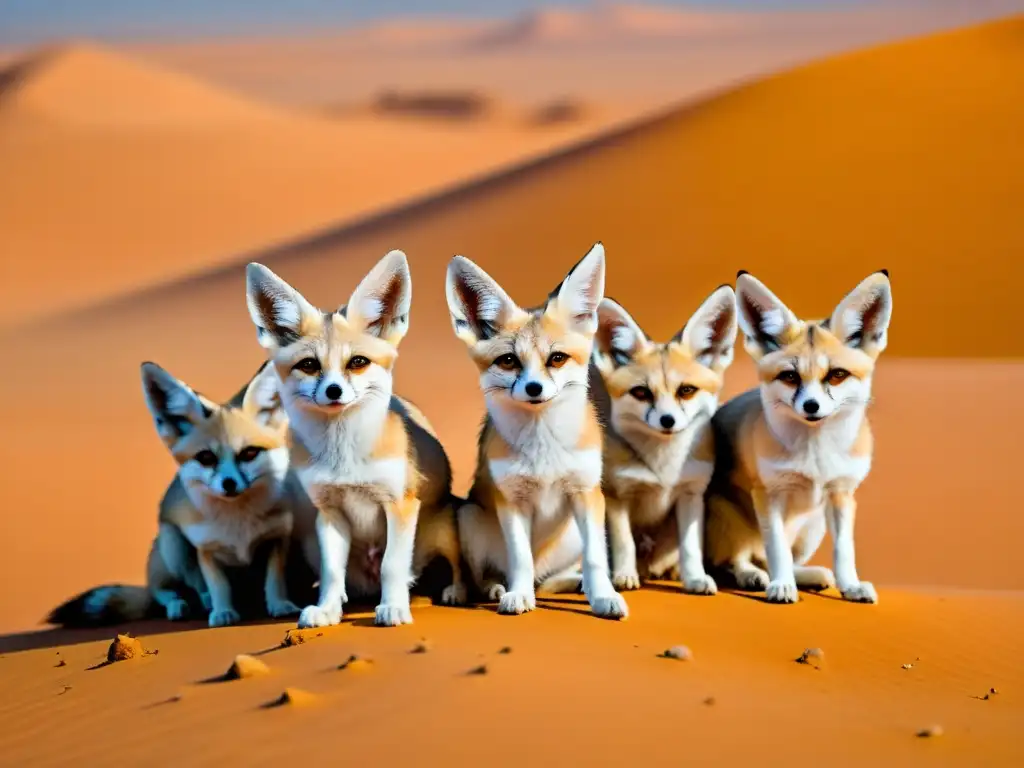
904,156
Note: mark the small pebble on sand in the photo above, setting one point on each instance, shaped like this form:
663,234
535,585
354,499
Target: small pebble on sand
677,652
907,666
930,732
293,697
481,670
356,664
710,701
506,650
423,646
299,636
125,647
61,663
815,657
245,666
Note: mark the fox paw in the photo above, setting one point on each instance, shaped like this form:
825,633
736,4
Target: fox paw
454,594
177,610
611,606
626,579
815,578
495,592
224,617
703,585
753,580
280,608
861,593
781,592
315,616
514,603
393,615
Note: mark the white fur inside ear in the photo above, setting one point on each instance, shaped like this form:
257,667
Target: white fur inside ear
275,307
583,288
624,338
476,303
381,302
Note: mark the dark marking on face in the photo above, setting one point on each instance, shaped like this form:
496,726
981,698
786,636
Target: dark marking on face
810,336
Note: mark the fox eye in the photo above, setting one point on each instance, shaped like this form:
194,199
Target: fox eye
358,362
643,394
206,458
557,359
308,365
836,376
789,377
508,362
249,453
686,391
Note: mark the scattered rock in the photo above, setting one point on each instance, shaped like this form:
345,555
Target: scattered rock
993,691
245,666
481,670
61,663
292,697
930,732
299,636
66,689
710,701
814,657
677,652
356,664
506,650
123,648
422,646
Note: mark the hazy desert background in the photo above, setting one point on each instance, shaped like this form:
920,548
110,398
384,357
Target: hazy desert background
141,171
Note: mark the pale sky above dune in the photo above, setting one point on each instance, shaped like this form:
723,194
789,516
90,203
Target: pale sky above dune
27,23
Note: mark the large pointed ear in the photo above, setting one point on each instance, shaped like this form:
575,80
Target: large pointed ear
618,337
862,319
262,399
580,293
278,310
175,407
763,318
710,334
477,304
380,304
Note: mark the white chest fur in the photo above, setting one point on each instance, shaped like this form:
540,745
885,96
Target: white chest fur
233,534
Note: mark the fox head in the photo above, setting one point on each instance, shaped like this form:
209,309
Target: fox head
331,362
528,358
660,388
812,370
229,452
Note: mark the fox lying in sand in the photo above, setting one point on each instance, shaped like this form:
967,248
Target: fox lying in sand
233,493
539,457
791,454
656,401
369,460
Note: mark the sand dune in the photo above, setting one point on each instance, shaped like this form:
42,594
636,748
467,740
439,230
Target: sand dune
576,690
681,204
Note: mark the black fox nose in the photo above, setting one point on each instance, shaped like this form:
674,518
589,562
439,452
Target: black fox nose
333,391
230,486
533,389
668,421
811,407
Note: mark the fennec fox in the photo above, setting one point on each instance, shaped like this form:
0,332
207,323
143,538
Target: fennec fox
656,401
792,453
368,459
539,457
233,493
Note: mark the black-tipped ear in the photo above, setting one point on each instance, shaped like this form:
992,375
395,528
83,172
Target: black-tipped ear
380,303
862,318
710,334
580,293
176,408
277,310
762,316
885,272
477,304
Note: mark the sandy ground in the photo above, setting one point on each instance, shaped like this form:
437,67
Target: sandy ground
905,157
573,689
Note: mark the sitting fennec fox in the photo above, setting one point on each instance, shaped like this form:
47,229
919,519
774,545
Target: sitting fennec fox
369,460
232,493
791,454
539,457
656,401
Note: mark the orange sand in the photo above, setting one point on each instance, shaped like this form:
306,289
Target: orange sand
904,156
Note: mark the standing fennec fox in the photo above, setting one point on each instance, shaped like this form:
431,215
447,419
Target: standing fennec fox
233,492
656,401
791,454
369,460
539,457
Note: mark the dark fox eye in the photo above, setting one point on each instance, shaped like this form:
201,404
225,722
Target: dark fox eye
643,394
206,458
357,363
789,377
557,359
308,365
249,453
686,391
507,362
836,376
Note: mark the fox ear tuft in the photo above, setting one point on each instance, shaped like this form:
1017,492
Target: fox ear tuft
278,311
478,306
618,337
176,408
710,334
579,294
764,319
862,318
380,303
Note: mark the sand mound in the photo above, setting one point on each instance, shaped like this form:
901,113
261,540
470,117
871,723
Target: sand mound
244,667
86,85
